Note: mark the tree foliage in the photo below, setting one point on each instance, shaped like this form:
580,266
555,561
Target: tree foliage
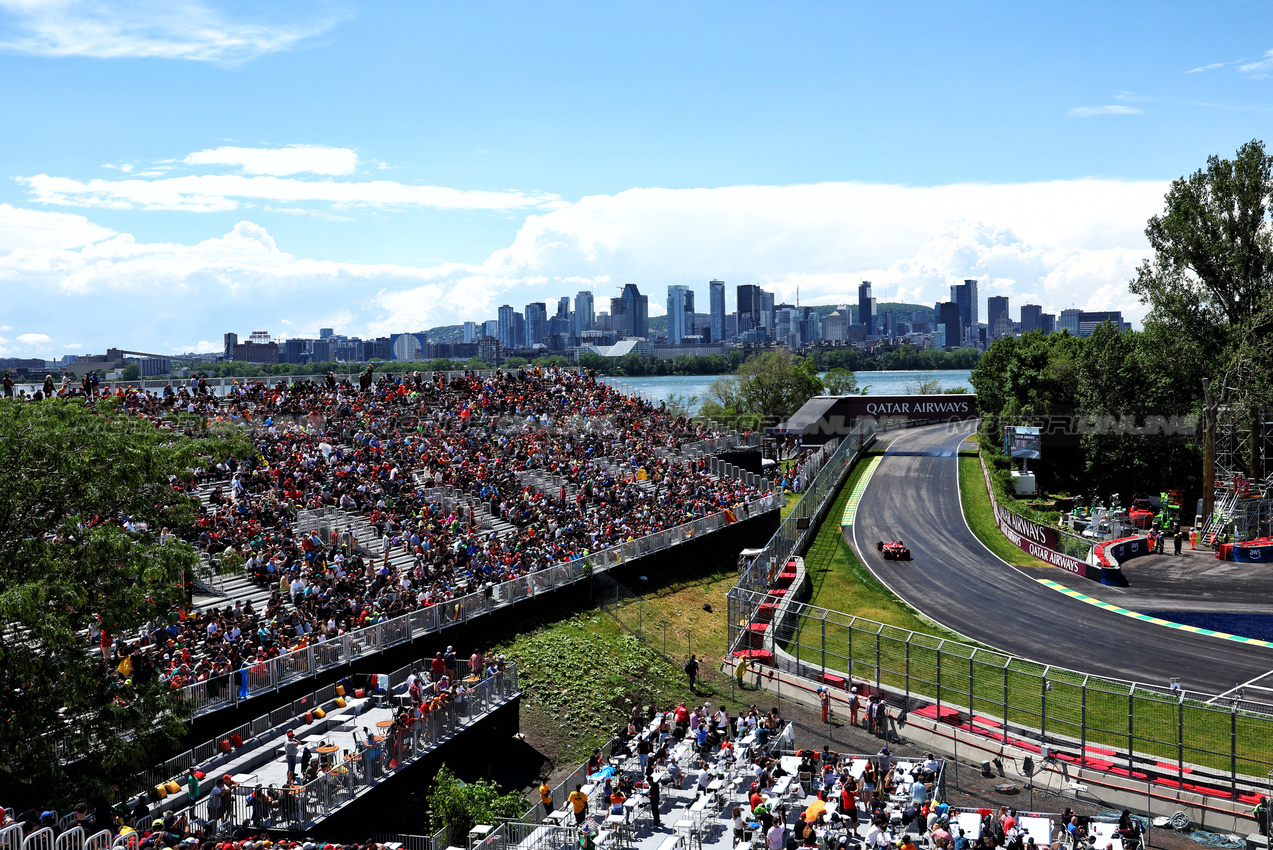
764,390
70,478
459,806
840,382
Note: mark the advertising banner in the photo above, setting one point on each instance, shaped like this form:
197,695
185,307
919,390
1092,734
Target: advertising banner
1035,539
1253,553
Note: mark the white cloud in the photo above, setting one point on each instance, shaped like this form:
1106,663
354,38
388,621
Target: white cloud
224,192
280,162
1260,68
22,228
1109,109
1063,243
157,29
34,339
1214,66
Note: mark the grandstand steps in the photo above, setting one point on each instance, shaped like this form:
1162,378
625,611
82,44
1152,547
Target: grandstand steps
236,588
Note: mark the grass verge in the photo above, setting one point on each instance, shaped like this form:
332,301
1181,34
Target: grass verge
981,516
839,581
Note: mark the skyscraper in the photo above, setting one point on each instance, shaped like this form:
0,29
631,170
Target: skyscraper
232,339
965,295
680,313
536,323
507,327
1031,317
563,306
583,318
866,307
470,331
630,312
767,319
747,298
716,302
997,316
948,315
1070,321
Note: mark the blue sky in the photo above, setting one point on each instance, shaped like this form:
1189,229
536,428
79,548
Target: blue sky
176,170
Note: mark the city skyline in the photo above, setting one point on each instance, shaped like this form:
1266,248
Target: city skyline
379,168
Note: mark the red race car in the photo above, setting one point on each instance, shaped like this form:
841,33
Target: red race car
893,550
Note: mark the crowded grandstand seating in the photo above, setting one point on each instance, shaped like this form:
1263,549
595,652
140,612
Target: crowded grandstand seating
538,468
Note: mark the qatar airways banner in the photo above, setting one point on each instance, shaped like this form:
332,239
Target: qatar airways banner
1033,538
942,407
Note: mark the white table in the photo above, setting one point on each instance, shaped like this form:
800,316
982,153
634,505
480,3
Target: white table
970,823
1040,829
1106,834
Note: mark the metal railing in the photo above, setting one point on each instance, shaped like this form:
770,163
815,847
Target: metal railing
269,675
353,772
797,530
1208,744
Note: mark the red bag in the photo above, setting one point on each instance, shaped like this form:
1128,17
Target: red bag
236,741
309,717
358,693
199,774
225,745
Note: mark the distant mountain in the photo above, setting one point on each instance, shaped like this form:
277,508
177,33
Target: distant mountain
445,333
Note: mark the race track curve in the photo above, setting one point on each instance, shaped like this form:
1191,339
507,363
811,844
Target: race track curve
954,580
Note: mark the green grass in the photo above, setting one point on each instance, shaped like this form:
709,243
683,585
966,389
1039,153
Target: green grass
792,499
981,516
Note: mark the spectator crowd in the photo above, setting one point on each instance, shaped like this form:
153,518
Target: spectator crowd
377,450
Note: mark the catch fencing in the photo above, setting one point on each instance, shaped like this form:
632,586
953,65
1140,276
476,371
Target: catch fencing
270,675
800,526
1207,744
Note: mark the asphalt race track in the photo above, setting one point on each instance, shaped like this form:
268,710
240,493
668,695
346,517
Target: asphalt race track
954,580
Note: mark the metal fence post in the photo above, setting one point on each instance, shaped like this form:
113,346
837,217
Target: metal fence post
939,646
1043,706
850,670
1083,724
1180,739
1131,713
824,645
1233,749
971,674
1006,665
908,669
878,683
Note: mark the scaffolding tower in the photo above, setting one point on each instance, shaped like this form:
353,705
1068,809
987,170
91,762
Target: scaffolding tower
1243,503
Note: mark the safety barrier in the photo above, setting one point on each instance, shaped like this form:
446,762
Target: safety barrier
1211,745
269,675
353,773
801,523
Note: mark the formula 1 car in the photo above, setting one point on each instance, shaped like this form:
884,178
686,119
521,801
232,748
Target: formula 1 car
893,550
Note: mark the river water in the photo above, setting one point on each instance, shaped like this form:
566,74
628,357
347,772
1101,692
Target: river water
694,387
877,383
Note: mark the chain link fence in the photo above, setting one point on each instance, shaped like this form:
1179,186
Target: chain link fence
1208,744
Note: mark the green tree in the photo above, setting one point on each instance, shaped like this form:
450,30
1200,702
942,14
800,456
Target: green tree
764,390
131,372
515,362
1210,281
70,476
458,806
840,382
